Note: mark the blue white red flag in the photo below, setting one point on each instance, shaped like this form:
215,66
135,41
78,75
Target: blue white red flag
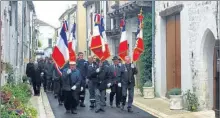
123,45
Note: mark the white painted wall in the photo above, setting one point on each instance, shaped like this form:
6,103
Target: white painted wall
195,19
46,32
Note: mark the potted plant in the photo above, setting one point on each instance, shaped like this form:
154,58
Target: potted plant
148,90
176,99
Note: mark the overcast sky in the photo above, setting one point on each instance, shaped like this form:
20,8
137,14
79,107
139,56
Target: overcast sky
50,11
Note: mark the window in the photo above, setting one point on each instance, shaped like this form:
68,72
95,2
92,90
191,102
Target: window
49,42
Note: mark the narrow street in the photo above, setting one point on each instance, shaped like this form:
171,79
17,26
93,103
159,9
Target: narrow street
59,111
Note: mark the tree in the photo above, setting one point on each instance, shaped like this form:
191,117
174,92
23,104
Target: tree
39,43
146,57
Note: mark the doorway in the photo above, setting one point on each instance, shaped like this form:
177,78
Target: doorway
173,52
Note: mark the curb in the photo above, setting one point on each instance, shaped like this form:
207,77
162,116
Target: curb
47,108
147,109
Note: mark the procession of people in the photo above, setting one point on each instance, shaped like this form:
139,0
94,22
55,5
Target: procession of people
69,87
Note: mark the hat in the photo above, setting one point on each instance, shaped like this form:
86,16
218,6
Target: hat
115,58
72,62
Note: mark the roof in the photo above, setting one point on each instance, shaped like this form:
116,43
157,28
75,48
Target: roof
68,11
42,23
30,3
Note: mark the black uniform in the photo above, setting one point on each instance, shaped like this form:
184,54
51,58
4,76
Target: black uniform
82,67
92,76
128,83
31,72
70,96
115,79
101,86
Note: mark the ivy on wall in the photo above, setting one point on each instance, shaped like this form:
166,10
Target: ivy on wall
146,57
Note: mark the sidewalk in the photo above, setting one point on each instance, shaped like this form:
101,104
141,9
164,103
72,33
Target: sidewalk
42,105
160,108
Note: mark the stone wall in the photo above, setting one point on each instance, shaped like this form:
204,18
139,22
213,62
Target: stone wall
196,19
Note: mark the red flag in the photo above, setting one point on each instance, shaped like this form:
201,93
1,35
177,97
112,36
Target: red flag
72,44
139,47
123,45
96,42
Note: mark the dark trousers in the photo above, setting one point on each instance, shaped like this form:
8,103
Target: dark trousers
70,100
36,88
130,90
45,83
115,90
49,83
61,96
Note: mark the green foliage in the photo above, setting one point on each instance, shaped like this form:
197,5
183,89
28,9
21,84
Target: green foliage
15,100
10,71
146,58
39,43
148,84
191,101
175,91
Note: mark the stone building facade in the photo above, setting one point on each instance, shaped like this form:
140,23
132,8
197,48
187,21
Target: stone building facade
193,27
16,35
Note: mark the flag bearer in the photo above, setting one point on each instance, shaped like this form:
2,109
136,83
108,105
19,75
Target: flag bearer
128,82
49,73
115,83
81,66
70,85
91,75
101,86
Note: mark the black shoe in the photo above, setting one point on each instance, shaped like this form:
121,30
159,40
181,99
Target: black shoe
67,111
118,106
60,103
102,110
97,110
130,110
73,112
92,105
82,105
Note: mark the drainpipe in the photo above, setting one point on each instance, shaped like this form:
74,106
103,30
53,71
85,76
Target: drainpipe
153,41
22,30
87,34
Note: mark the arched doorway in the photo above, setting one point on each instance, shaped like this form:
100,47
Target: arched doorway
210,63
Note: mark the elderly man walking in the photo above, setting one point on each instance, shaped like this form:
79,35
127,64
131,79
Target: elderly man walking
128,82
71,84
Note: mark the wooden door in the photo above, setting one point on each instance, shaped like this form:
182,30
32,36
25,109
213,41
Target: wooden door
214,76
173,52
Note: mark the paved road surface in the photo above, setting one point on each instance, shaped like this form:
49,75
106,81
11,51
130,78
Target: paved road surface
59,111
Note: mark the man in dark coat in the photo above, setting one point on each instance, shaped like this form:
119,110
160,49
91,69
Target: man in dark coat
30,72
71,84
101,86
49,74
57,79
115,82
91,75
81,65
128,82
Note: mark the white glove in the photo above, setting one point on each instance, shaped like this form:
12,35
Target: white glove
74,87
109,84
42,73
119,64
97,70
81,88
119,84
132,65
68,71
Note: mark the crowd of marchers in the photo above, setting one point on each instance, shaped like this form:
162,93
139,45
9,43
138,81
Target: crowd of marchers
69,84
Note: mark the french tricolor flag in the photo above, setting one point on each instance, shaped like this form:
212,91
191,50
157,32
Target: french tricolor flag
123,45
96,44
60,53
72,44
139,47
